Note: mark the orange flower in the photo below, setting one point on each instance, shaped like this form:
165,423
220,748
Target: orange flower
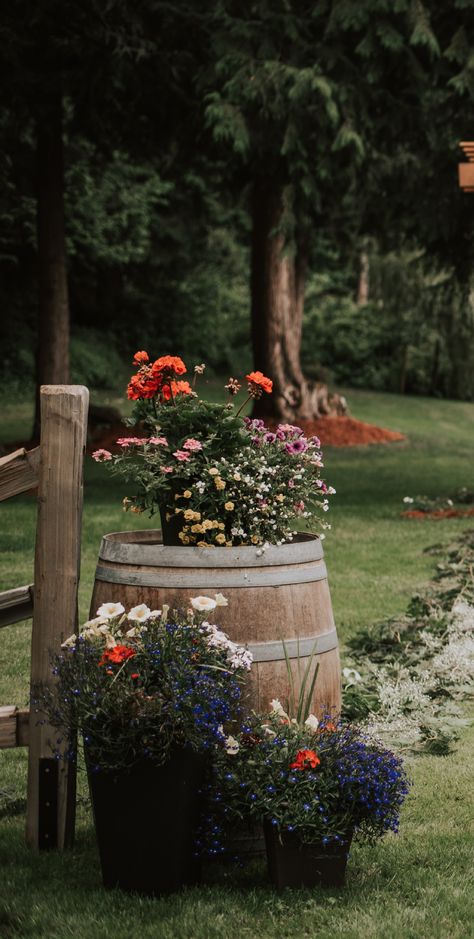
117,655
178,388
305,759
169,363
140,357
143,385
258,379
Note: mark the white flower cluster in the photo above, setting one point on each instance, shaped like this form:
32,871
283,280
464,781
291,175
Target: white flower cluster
237,656
406,703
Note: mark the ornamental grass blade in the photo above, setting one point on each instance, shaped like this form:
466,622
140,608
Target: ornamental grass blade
304,700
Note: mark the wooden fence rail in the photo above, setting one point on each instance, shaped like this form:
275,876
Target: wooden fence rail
56,469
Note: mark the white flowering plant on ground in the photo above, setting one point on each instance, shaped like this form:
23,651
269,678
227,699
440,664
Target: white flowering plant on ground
218,479
406,678
142,682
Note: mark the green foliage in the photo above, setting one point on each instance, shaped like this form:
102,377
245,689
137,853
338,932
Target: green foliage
112,207
407,338
95,360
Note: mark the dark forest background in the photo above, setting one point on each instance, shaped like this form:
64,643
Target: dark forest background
238,182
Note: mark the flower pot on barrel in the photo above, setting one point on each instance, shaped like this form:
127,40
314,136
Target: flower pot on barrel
150,691
229,491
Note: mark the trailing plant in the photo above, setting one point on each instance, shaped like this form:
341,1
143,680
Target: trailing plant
321,780
139,684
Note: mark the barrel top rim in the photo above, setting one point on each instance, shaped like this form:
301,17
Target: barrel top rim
125,546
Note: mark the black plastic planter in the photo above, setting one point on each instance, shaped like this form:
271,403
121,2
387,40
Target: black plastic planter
293,863
145,821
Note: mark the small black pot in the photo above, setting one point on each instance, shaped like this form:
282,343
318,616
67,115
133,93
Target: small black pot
145,820
170,529
294,863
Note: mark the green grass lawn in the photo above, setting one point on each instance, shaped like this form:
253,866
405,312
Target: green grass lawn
418,884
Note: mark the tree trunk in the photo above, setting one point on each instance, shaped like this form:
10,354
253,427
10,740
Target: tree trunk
364,275
277,288
52,360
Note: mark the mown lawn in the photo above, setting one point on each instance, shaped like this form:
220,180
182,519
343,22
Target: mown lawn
418,884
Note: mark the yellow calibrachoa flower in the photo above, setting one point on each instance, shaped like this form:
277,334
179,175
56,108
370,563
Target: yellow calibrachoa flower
229,506
255,539
219,483
213,471
183,537
207,524
192,516
203,544
279,497
221,526
220,538
187,494
197,528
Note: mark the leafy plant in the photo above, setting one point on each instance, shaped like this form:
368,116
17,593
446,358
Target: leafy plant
217,478
137,684
321,781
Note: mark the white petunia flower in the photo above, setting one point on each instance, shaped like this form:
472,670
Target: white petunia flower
276,708
312,722
221,600
70,641
139,614
155,614
109,610
351,675
203,604
231,746
408,500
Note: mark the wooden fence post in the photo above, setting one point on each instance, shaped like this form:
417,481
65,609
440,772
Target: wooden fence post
51,782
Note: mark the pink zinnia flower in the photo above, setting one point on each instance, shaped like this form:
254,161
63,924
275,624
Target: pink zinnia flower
100,456
192,444
158,441
181,455
166,469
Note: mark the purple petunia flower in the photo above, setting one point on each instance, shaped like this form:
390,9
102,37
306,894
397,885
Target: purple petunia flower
296,446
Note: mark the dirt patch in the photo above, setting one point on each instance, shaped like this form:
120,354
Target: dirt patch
438,514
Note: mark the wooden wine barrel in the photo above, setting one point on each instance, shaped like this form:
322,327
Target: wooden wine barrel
278,598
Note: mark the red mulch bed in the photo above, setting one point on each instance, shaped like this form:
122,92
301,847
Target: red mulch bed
348,432
438,514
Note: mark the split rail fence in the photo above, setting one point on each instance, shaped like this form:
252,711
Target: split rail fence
55,468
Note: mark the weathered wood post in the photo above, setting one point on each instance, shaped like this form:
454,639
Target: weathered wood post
51,782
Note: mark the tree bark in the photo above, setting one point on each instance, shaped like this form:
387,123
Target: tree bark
277,291
52,361
364,275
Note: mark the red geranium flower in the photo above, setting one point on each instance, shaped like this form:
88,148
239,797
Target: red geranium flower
169,363
305,759
143,385
178,388
140,357
258,379
117,655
